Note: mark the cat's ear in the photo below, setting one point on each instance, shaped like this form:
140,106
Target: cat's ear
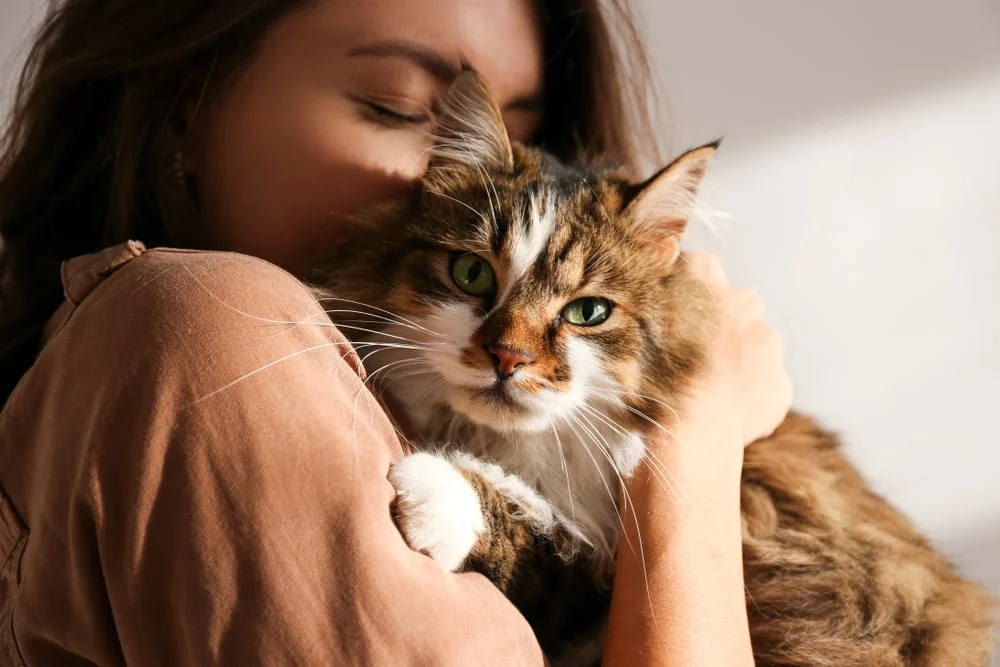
470,132
661,206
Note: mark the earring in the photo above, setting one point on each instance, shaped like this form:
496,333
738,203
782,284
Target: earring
179,168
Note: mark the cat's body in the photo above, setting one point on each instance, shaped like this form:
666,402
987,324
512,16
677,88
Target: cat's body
535,323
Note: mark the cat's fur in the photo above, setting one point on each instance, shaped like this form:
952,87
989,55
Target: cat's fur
519,477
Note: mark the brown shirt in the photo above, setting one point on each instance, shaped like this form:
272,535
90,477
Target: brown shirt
194,473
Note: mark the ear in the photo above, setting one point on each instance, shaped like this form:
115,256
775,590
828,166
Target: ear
661,206
470,132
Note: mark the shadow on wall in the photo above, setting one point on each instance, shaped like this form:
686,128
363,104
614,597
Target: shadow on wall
981,550
752,69
17,17
980,561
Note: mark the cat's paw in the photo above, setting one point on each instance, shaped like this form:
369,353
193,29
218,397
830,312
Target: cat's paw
436,508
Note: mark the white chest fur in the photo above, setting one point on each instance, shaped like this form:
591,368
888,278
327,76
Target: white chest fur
578,466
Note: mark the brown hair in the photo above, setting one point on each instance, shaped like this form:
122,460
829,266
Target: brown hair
85,160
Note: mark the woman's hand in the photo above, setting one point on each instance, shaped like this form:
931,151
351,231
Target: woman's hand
746,391
678,592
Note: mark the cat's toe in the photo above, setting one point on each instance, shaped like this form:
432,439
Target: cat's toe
436,508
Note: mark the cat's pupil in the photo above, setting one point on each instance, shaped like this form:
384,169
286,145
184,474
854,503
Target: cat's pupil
588,310
475,270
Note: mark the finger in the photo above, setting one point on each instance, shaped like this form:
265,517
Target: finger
707,268
766,339
745,305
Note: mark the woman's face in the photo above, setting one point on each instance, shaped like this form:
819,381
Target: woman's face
335,111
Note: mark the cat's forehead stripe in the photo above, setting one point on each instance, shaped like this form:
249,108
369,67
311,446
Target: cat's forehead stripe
530,236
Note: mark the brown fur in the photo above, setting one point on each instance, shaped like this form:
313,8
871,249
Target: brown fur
528,567
834,575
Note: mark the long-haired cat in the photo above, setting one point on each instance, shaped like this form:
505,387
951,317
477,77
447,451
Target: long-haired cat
535,322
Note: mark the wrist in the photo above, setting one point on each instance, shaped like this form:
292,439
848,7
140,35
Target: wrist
704,454
680,552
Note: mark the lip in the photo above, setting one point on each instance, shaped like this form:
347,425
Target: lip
499,394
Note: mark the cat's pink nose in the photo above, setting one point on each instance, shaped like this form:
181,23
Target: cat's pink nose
507,360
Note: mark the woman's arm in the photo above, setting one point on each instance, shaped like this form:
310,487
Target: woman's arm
207,486
680,599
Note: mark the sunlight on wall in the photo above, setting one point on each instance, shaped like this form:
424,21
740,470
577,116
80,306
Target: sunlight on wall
875,240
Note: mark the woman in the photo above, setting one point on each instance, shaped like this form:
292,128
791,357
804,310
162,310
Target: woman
186,480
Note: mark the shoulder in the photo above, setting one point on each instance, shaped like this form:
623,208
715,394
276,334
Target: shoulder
199,310
185,282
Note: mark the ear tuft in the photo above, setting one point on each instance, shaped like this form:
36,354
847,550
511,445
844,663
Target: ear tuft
470,131
662,205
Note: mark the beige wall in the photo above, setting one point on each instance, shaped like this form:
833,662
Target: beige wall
15,20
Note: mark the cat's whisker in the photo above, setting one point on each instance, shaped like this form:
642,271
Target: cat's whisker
657,466
390,346
310,321
379,318
614,397
357,396
475,245
621,431
376,332
382,347
614,500
458,201
462,147
629,507
645,417
430,389
623,392
372,375
368,355
618,428
401,364
266,366
600,203
450,433
438,344
266,320
381,370
642,415
381,310
393,377
660,469
387,380
565,468
485,177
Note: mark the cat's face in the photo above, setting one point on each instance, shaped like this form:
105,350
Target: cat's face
521,293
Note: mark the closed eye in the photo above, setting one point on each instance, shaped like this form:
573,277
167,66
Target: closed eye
386,114
395,116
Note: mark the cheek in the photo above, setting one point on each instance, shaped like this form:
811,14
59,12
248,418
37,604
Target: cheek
586,366
585,374
452,326
278,176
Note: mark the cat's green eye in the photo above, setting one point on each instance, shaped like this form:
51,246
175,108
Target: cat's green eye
473,274
588,311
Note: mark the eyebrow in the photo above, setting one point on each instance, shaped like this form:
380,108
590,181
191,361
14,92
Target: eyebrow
437,66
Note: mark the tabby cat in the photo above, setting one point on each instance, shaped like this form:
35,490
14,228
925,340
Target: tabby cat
535,321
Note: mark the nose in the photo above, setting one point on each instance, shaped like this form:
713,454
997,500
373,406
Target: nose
507,360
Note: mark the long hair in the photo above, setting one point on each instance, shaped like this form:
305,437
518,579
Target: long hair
85,160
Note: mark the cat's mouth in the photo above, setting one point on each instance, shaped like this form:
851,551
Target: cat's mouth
501,405
501,394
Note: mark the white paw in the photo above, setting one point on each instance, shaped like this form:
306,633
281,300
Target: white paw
437,509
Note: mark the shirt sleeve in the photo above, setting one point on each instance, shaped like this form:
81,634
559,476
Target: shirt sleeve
234,483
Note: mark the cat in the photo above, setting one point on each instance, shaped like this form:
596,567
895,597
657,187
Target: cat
535,322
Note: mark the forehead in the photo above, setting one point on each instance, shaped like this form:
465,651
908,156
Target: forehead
500,38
